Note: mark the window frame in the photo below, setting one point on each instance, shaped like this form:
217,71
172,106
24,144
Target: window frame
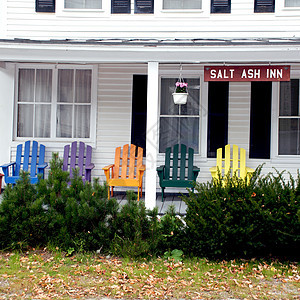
295,74
54,103
201,110
281,10
203,12
78,12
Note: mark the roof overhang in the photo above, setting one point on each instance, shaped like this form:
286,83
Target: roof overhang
143,51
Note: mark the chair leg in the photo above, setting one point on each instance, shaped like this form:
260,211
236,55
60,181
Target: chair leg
108,193
138,194
162,194
112,191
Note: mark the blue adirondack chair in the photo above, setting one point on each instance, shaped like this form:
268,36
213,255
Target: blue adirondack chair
31,160
80,159
178,170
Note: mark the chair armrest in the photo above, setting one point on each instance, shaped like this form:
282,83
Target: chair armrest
108,167
7,165
160,168
90,167
142,168
249,170
42,166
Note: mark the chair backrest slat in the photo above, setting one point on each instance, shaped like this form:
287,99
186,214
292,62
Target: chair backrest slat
42,154
80,161
139,160
219,160
117,162
124,161
175,162
227,159
243,163
34,157
191,164
167,163
235,160
131,161
182,161
18,160
66,157
26,156
88,155
73,157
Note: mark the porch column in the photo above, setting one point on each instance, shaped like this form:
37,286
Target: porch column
151,135
6,110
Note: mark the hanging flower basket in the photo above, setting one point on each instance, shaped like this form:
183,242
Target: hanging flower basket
180,94
180,98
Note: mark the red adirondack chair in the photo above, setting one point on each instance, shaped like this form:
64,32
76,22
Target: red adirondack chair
80,159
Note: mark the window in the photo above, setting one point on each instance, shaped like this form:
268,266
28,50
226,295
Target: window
182,4
292,3
289,118
83,4
179,123
263,6
260,119
45,5
139,111
55,102
220,6
217,133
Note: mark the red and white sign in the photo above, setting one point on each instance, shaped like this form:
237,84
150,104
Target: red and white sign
247,73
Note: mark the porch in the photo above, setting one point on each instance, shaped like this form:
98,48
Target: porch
169,199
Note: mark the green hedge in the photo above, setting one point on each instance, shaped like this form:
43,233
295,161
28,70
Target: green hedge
258,218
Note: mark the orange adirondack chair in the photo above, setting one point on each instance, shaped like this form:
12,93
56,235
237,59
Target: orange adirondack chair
127,170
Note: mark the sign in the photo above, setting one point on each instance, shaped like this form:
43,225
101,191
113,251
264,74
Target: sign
247,73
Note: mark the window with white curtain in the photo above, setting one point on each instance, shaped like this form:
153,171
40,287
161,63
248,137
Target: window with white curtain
54,102
289,118
292,3
179,124
83,4
182,4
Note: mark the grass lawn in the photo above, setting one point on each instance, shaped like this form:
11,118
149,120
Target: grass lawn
41,274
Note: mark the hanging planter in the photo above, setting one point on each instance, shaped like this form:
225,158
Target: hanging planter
181,93
180,98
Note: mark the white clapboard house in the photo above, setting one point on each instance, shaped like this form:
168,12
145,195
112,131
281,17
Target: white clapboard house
103,71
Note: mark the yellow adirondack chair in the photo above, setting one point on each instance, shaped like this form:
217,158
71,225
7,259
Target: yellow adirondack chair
233,163
127,170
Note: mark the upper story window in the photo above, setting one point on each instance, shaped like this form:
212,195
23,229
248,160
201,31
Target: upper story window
220,6
182,4
140,6
55,102
292,3
264,6
83,4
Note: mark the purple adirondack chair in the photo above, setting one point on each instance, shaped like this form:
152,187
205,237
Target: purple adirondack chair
80,159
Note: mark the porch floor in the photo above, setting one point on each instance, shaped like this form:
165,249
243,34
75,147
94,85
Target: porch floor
169,199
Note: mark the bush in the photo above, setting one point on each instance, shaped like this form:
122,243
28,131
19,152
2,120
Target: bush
23,220
244,219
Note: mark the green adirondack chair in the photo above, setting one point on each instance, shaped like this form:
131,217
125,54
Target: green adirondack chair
179,170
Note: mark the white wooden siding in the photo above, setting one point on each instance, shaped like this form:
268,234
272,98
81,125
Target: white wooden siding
23,22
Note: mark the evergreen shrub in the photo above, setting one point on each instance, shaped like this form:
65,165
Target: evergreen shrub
255,218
